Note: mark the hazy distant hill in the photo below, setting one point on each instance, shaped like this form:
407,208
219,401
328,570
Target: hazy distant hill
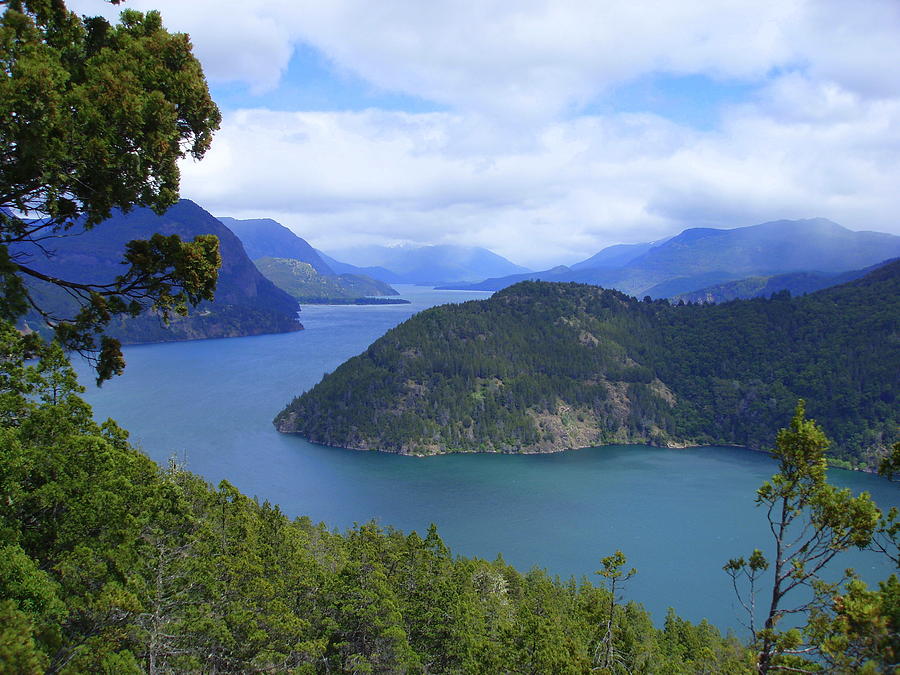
701,257
246,303
374,272
797,283
541,367
266,238
613,257
431,264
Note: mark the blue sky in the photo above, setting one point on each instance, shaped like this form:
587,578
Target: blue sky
544,129
312,82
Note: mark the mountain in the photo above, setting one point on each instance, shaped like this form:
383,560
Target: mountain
246,303
304,283
266,238
613,257
700,257
798,283
558,273
541,367
432,264
295,267
374,272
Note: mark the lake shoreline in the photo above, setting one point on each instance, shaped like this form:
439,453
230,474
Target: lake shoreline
672,446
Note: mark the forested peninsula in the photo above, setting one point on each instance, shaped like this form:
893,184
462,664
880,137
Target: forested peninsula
543,367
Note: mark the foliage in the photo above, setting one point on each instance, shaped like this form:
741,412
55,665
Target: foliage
890,464
543,366
111,564
858,629
606,653
811,522
94,117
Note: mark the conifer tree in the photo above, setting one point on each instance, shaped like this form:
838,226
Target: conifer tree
811,522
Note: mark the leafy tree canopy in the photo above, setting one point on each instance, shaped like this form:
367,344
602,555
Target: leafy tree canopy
94,117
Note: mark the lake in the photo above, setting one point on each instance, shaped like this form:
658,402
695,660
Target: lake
678,515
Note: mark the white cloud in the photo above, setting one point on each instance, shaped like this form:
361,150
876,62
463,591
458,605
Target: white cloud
515,165
536,58
577,185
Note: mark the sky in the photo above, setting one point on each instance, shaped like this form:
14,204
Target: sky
543,130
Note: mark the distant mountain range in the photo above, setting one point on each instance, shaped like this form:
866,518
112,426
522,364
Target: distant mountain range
246,303
372,271
614,257
702,257
424,265
288,261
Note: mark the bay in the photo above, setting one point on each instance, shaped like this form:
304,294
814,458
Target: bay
678,515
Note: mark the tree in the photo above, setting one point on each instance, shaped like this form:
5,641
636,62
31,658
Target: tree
606,656
857,630
94,117
811,522
890,464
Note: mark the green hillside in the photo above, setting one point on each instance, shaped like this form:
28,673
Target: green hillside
302,281
266,238
542,367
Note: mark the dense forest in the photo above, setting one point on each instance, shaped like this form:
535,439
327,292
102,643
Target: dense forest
548,366
110,564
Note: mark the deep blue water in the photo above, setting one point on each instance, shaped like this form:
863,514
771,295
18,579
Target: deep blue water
677,514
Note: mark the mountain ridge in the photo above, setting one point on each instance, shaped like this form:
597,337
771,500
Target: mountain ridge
287,260
304,283
702,257
267,238
246,303
796,283
439,263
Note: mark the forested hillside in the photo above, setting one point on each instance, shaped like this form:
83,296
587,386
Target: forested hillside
302,281
542,367
109,564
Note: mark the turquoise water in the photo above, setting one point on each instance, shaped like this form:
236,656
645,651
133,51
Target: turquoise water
677,514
